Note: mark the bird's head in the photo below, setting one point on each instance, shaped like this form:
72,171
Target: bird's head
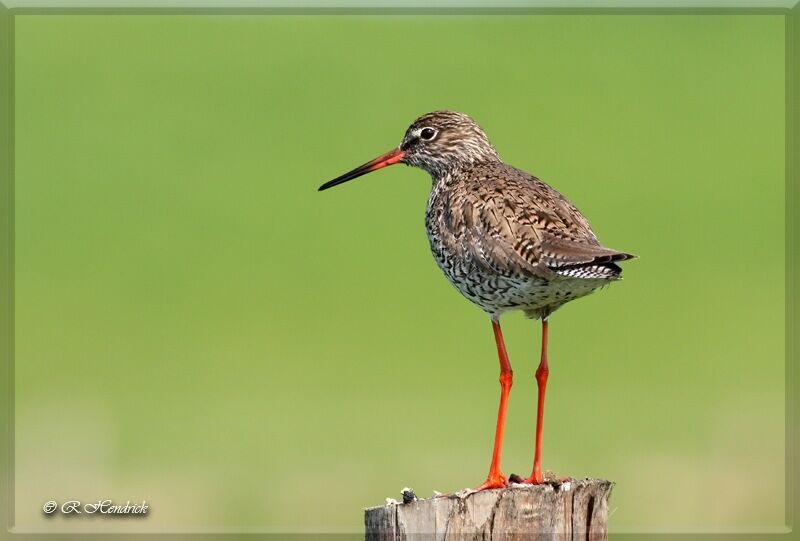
444,140
438,142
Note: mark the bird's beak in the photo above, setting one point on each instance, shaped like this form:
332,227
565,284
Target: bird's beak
390,158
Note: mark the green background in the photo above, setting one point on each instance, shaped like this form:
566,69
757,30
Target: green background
197,327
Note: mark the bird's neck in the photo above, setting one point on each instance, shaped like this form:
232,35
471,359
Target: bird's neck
447,173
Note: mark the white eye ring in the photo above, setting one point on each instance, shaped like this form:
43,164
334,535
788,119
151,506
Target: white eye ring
426,134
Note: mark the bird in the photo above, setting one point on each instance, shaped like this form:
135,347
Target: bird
505,239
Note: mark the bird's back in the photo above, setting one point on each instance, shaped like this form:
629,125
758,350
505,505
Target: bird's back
508,240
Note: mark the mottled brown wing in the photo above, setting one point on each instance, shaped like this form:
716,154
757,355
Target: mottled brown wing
517,225
501,240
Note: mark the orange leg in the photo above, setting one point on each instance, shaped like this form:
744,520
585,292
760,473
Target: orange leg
542,372
496,479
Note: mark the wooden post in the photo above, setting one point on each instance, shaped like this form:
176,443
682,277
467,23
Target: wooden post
574,509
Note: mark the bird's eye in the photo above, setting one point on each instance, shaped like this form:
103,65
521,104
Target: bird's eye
427,133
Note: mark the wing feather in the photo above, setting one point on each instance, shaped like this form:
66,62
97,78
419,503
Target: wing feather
516,225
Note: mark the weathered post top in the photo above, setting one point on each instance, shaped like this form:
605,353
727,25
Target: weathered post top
573,509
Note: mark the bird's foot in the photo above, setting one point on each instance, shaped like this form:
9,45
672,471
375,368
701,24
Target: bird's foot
534,480
495,480
537,478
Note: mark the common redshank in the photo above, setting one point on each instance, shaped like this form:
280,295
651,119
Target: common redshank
504,239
